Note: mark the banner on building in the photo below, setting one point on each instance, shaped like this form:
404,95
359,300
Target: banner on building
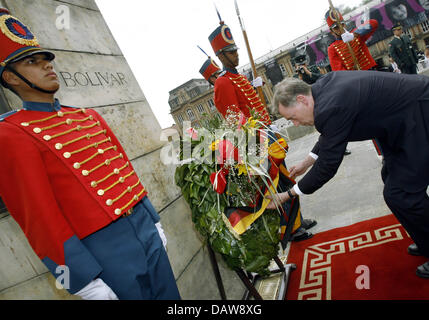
273,71
408,12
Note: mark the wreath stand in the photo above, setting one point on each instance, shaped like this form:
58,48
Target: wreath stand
249,280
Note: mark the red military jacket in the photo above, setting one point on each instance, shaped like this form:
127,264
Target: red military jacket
340,57
234,95
63,174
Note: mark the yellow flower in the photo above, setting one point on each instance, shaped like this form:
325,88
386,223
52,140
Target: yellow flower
214,145
241,169
252,123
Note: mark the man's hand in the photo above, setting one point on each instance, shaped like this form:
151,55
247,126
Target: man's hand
278,198
297,170
302,167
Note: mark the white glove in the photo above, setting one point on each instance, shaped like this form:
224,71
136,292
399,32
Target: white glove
161,234
257,82
347,36
97,290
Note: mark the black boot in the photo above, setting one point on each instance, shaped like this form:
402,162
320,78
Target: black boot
308,223
423,270
413,250
300,234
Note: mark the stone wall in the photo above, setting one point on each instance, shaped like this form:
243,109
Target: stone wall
94,73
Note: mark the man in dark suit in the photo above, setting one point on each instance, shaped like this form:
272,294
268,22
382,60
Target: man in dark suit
362,105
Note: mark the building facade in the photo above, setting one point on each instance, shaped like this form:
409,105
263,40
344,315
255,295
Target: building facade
191,101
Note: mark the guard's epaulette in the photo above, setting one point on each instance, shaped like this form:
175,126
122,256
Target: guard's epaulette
222,73
7,114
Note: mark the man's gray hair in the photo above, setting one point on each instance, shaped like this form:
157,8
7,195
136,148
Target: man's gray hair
286,91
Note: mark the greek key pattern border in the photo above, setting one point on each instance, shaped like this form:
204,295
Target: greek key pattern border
315,283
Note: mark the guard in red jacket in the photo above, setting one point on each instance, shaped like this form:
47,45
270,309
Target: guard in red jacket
339,54
69,184
233,93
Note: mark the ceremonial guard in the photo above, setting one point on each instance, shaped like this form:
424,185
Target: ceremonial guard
233,93
340,55
235,96
69,184
402,51
210,70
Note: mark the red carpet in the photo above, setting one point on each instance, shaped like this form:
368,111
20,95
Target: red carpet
371,255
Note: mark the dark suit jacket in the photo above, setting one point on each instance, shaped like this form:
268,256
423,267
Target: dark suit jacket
362,105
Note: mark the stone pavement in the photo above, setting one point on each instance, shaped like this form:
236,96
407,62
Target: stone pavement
354,194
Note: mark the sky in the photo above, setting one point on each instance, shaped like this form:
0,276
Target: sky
159,38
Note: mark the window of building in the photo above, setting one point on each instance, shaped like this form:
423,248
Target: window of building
283,69
211,104
190,114
174,103
425,26
181,98
180,119
193,93
200,108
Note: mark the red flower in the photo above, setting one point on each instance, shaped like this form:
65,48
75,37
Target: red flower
218,180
